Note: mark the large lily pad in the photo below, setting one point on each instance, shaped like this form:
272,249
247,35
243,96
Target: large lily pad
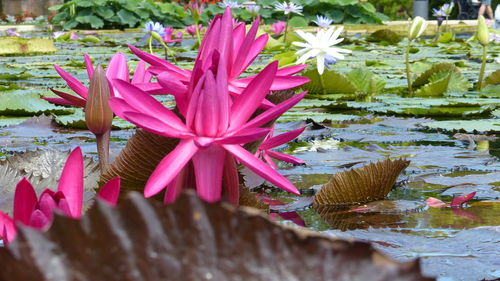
470,126
23,46
188,240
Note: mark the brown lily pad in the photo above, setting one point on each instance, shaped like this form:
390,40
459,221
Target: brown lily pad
368,183
188,240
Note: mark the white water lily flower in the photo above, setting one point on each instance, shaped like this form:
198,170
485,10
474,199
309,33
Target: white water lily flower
289,7
417,27
320,46
323,21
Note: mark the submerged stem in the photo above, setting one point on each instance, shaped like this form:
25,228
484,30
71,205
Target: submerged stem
483,67
408,72
102,142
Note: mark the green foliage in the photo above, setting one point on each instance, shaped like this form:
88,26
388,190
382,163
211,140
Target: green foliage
98,14
446,37
440,79
423,78
385,35
394,9
493,79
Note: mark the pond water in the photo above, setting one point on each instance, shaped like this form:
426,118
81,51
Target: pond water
454,244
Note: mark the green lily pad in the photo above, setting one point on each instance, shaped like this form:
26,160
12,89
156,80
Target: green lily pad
470,126
334,83
28,104
424,77
493,78
77,121
21,46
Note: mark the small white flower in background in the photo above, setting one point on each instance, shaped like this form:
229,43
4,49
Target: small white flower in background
495,38
253,9
229,3
11,19
448,8
320,46
323,21
417,27
289,7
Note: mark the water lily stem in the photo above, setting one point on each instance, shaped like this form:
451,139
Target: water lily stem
150,43
322,81
483,67
198,36
286,27
408,72
102,141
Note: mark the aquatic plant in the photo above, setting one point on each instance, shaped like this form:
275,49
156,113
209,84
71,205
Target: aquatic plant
253,10
288,9
417,28
68,199
156,33
278,27
323,21
483,36
320,45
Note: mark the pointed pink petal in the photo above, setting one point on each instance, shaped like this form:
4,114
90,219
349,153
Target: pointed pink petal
89,66
245,136
151,88
38,220
231,180
290,70
140,73
225,36
458,201
71,182
245,104
435,203
238,37
47,204
172,86
250,53
293,217
193,103
153,125
110,191
223,96
281,139
285,157
25,201
208,168
268,160
169,167
118,68
155,61
246,50
7,227
261,169
72,82
288,82
59,101
64,208
274,112
142,102
208,111
174,188
69,98
119,106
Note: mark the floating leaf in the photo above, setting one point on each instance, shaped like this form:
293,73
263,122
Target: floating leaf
385,35
189,240
22,46
424,77
446,37
365,81
334,83
470,126
493,78
28,105
435,88
368,183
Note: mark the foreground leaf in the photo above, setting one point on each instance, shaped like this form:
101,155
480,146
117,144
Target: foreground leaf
424,77
189,240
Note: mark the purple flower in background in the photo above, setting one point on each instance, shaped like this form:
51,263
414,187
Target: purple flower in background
329,61
323,21
179,35
289,7
155,30
12,32
253,9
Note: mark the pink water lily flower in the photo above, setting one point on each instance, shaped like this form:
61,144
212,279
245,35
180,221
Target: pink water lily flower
212,134
278,27
191,30
117,69
456,202
68,199
264,151
238,48
167,38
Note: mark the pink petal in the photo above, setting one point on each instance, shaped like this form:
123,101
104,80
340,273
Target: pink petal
89,66
208,168
70,98
119,106
174,188
285,157
7,228
458,201
145,103
261,169
64,208
245,104
291,70
140,73
435,203
293,217
47,204
231,180
110,191
153,125
281,139
151,88
208,112
72,82
169,167
39,220
238,37
246,51
255,49
245,136
268,160
155,61
25,201
223,96
288,82
172,86
274,112
118,68
71,182
60,101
